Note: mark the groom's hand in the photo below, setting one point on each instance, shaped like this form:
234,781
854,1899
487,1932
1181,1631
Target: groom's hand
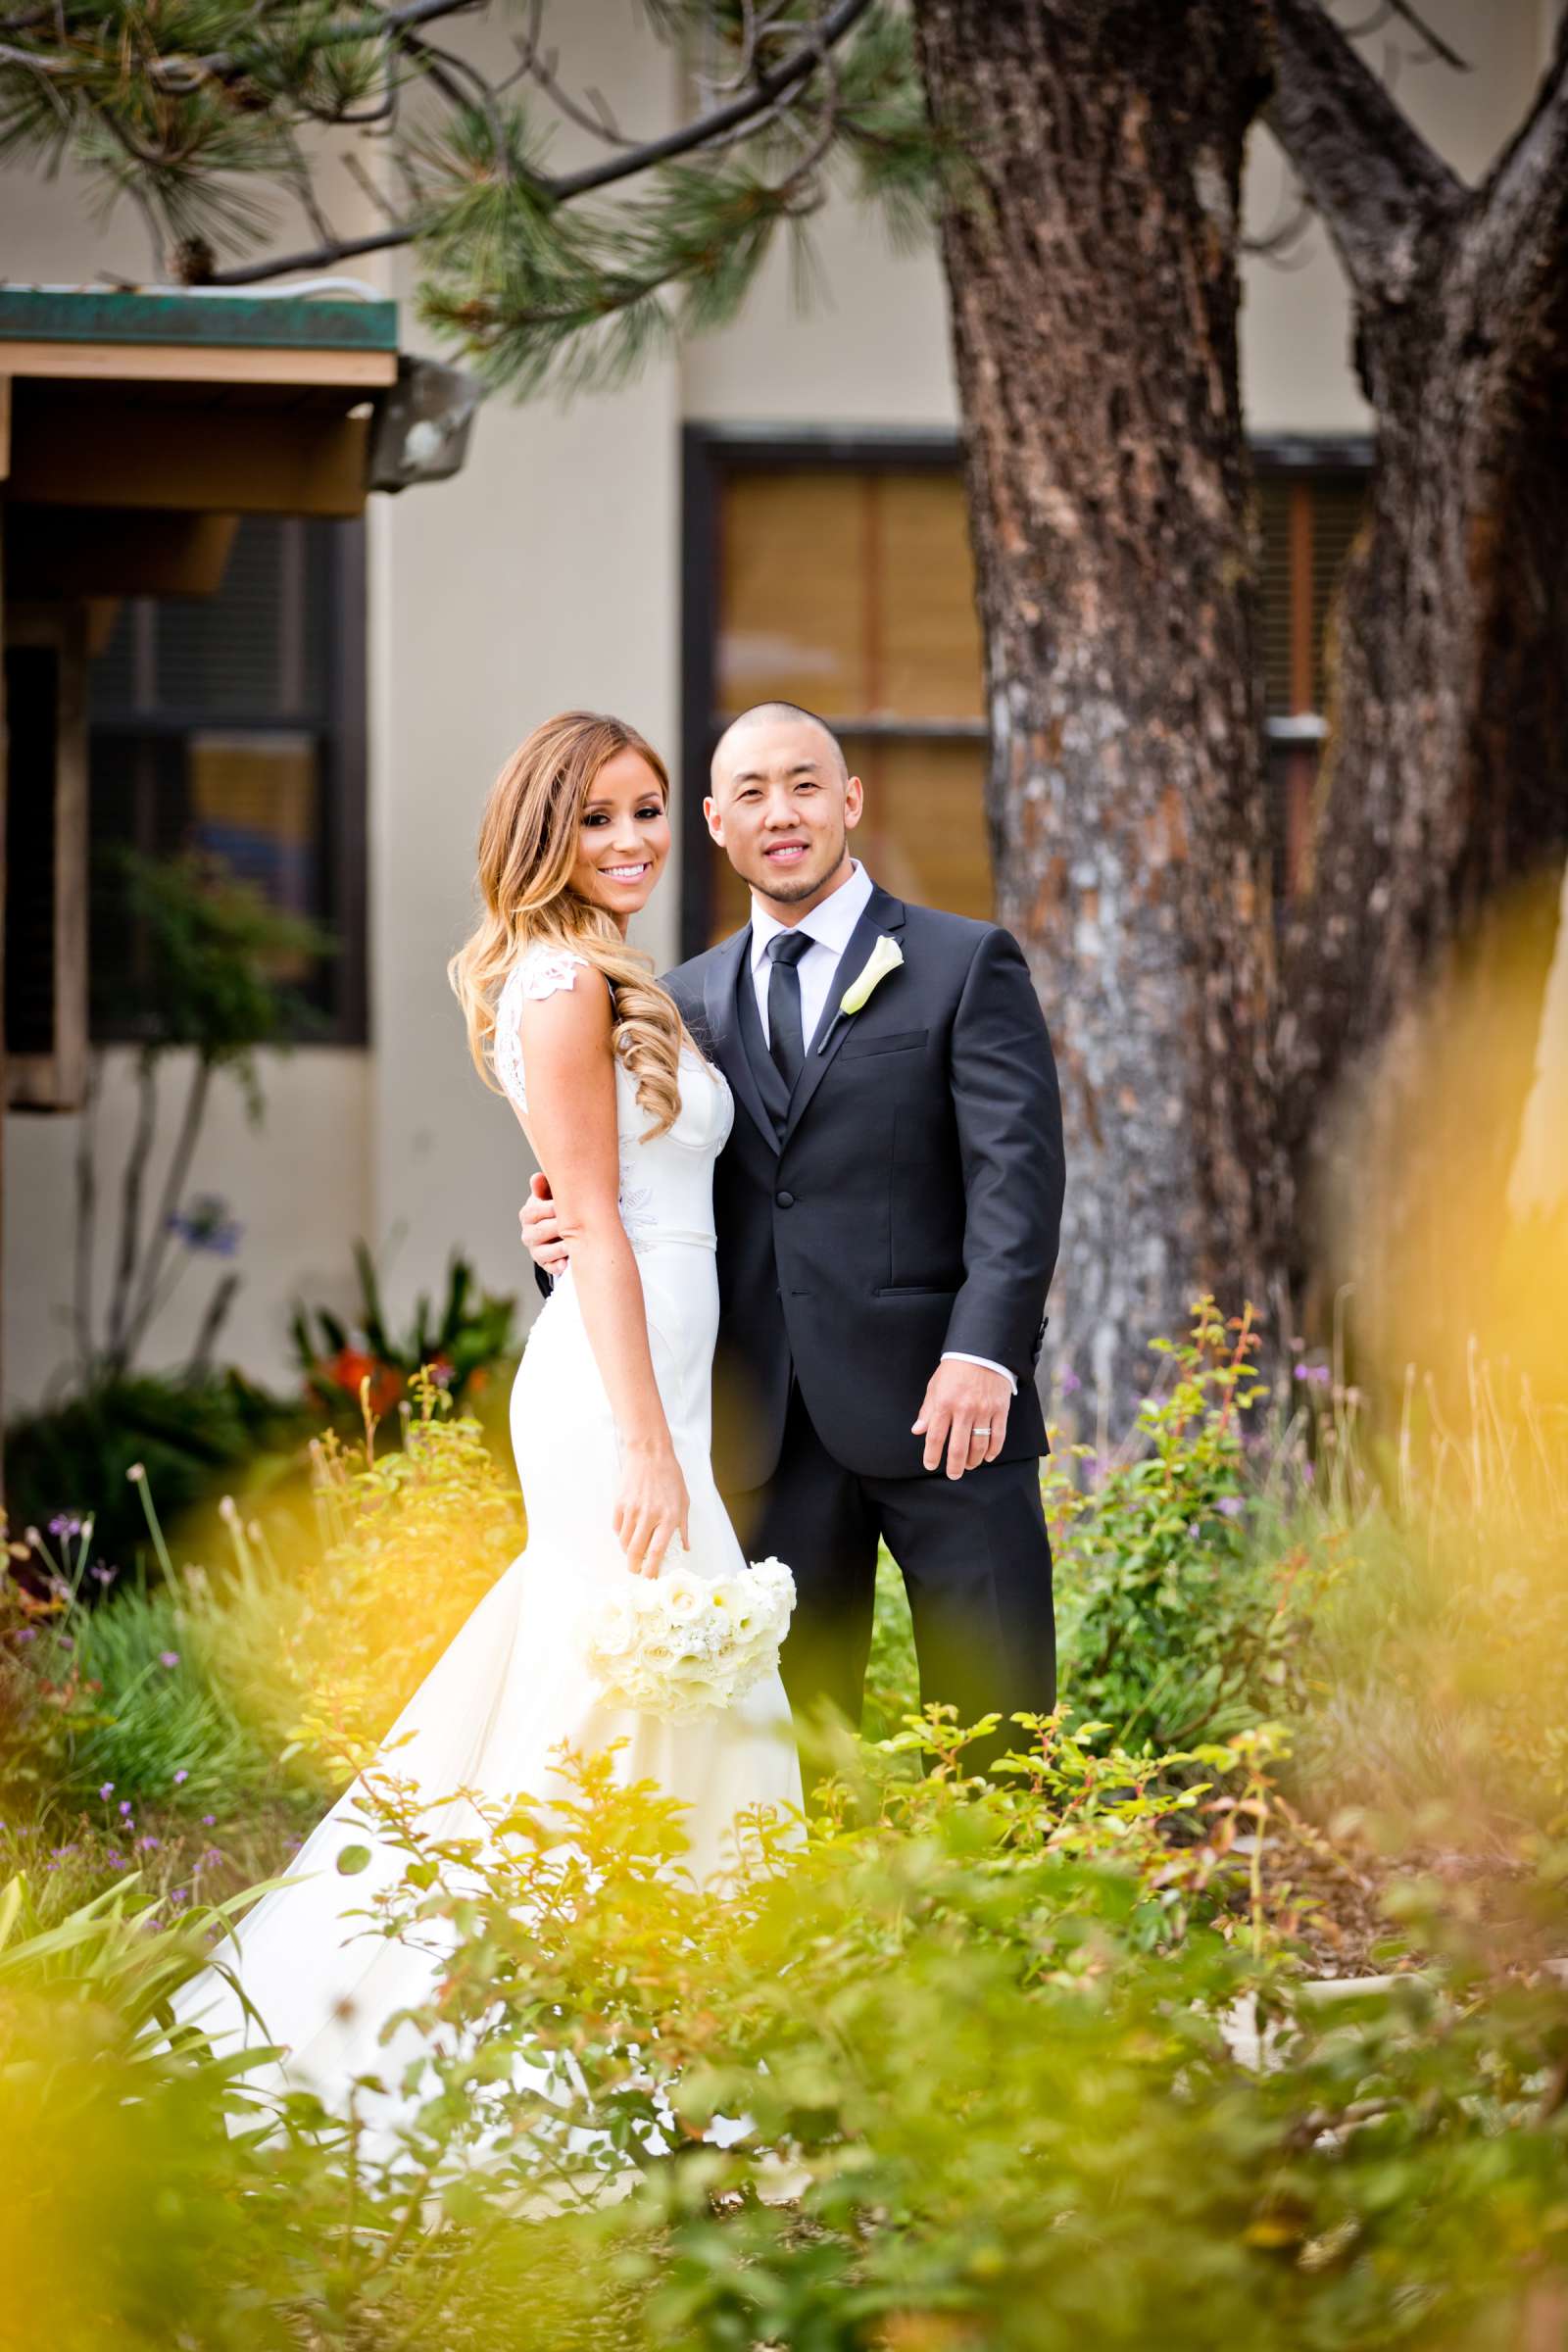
541,1228
965,1412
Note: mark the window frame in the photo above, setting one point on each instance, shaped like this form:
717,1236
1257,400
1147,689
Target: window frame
710,453
57,1080
342,731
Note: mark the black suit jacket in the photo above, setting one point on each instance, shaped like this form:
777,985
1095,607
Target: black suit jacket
912,1204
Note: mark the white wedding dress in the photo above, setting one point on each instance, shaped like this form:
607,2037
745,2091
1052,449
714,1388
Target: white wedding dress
512,1683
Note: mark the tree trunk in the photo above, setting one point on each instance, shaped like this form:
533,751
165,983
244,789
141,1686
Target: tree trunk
1446,774
1093,277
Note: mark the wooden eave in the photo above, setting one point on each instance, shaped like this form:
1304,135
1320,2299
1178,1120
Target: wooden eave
129,422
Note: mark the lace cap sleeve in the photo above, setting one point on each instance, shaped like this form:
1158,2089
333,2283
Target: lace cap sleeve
539,971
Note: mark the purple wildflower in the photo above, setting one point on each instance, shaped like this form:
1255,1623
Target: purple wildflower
145,1845
65,1524
1308,1474
206,1224
183,1774
105,1576
125,1805
207,1820
1230,1506
106,1790
169,1657
29,1632
1070,1379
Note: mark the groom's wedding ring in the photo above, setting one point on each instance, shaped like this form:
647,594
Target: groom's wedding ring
981,1429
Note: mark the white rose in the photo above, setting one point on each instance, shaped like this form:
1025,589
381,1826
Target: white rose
614,1627
683,1593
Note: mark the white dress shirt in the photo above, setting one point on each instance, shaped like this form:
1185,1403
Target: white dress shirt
828,926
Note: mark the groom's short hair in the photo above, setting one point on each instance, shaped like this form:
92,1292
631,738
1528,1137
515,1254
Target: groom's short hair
782,709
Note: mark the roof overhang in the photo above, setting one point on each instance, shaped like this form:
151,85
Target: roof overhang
131,421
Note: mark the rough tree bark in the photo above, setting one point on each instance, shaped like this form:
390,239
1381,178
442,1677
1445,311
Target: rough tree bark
1447,768
1092,279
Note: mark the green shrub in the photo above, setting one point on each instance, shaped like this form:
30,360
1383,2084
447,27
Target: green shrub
1178,1617
143,1715
224,1685
974,2033
195,1439
321,1655
464,1346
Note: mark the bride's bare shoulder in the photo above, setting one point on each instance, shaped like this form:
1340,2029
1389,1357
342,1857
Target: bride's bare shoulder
543,1011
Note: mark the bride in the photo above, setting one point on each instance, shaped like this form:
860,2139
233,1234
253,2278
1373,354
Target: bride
610,1423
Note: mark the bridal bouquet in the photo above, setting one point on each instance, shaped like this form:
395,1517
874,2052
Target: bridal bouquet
676,1644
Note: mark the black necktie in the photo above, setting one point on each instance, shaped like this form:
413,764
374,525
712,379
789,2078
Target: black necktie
785,1040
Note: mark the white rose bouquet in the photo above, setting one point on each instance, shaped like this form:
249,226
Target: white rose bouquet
676,1644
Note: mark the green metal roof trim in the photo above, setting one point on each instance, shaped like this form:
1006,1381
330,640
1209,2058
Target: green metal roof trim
282,322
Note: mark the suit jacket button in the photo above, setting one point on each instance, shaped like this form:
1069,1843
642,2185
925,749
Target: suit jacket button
785,1199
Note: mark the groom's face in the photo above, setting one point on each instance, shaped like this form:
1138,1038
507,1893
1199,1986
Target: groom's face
782,809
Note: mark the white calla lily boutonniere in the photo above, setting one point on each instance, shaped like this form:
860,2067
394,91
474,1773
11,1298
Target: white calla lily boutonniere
886,956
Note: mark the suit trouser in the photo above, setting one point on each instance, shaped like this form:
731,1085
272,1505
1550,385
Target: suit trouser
976,1563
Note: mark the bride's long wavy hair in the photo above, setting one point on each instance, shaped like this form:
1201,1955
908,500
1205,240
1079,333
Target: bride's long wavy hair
528,844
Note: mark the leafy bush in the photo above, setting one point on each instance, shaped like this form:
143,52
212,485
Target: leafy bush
196,1693
1177,1619
122,1704
973,2046
195,1437
348,1373
318,1628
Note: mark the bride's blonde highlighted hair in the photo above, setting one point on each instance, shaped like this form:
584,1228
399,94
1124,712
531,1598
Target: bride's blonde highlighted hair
528,845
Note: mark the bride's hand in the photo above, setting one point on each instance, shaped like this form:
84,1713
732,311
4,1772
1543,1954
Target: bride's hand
653,1506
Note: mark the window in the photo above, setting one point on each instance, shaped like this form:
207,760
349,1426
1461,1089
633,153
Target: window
838,574
234,724
45,845
1308,513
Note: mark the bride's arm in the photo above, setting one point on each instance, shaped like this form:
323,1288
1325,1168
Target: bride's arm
571,1120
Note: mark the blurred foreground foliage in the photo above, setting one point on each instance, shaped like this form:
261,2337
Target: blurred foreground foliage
194,1436
976,2035
281,1658
1028,2063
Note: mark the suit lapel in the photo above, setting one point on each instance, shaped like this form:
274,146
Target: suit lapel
727,974
881,913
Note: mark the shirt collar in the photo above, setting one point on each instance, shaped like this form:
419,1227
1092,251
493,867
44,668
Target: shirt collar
829,925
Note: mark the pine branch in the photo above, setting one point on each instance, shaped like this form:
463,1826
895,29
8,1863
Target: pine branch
718,125
1364,166
769,87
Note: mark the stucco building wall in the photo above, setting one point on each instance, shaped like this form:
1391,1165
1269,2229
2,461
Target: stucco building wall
548,575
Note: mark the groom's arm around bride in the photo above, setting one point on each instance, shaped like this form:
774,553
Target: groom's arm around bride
888,1209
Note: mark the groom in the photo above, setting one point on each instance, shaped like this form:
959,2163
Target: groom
888,1209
